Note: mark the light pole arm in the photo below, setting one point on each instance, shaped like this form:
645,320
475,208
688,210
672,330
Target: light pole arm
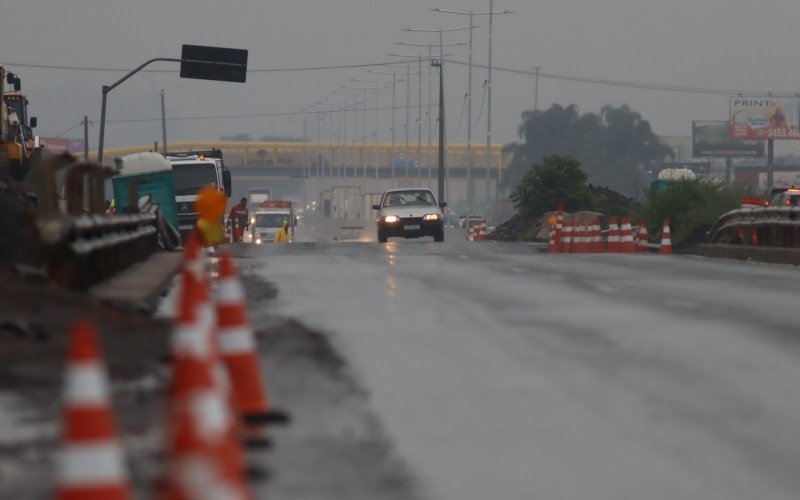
109,88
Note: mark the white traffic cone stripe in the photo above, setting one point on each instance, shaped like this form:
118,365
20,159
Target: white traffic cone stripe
91,464
86,384
229,291
199,478
236,340
191,341
210,415
197,267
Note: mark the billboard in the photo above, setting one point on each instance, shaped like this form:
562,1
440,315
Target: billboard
59,145
764,118
711,139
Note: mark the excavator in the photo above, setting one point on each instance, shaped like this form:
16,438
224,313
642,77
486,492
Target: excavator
17,142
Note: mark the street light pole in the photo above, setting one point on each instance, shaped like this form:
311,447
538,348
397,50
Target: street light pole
163,124
108,88
491,14
419,121
440,190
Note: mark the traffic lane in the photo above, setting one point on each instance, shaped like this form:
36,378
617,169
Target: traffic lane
508,358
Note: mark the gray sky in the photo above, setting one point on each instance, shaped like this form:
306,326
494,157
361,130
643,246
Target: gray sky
701,43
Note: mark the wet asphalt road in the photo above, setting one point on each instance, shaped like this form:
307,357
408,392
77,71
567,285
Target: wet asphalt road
499,372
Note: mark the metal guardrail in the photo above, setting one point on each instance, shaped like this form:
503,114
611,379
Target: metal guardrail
80,251
765,226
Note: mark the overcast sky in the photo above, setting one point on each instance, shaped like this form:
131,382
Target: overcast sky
700,43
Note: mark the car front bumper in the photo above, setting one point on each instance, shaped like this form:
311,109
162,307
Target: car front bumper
411,227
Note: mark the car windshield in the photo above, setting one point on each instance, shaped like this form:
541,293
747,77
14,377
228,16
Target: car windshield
270,220
189,178
411,198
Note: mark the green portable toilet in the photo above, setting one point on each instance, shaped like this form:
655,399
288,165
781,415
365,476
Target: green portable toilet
155,172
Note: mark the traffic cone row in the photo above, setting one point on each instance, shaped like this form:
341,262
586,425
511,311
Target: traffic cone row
574,236
216,399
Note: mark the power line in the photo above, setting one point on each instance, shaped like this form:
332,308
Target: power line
552,76
647,86
254,70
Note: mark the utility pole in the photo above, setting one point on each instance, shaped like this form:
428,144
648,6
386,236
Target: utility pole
394,152
163,124
486,213
469,124
408,112
419,121
85,137
491,14
440,191
536,89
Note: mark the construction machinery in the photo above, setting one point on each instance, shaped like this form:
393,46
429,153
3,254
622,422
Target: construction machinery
17,142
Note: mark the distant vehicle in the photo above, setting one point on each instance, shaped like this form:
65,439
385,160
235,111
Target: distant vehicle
462,220
257,196
788,198
268,218
409,213
192,171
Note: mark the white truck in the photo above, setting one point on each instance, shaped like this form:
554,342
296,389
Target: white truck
268,218
191,172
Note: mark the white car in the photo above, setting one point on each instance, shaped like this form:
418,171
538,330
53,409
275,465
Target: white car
409,213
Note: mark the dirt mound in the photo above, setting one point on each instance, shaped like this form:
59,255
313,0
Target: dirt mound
606,202
516,228
610,202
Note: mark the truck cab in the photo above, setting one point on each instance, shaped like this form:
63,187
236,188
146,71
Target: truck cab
192,171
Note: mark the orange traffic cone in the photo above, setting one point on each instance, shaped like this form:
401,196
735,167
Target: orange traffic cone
666,240
597,236
626,237
238,348
642,237
203,433
203,455
579,237
613,236
90,466
567,240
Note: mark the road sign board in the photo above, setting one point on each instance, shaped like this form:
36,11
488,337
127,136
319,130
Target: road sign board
214,63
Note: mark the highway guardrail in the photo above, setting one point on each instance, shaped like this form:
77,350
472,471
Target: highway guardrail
764,226
82,250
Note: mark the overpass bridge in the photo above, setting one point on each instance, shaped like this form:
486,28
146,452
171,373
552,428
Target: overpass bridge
302,170
289,159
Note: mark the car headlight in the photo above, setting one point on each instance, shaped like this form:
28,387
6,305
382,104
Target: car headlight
432,217
252,220
390,219
258,241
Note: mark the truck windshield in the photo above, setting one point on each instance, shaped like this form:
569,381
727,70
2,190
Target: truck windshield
271,220
189,178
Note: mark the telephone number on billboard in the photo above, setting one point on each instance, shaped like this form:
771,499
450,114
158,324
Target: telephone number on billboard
783,133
